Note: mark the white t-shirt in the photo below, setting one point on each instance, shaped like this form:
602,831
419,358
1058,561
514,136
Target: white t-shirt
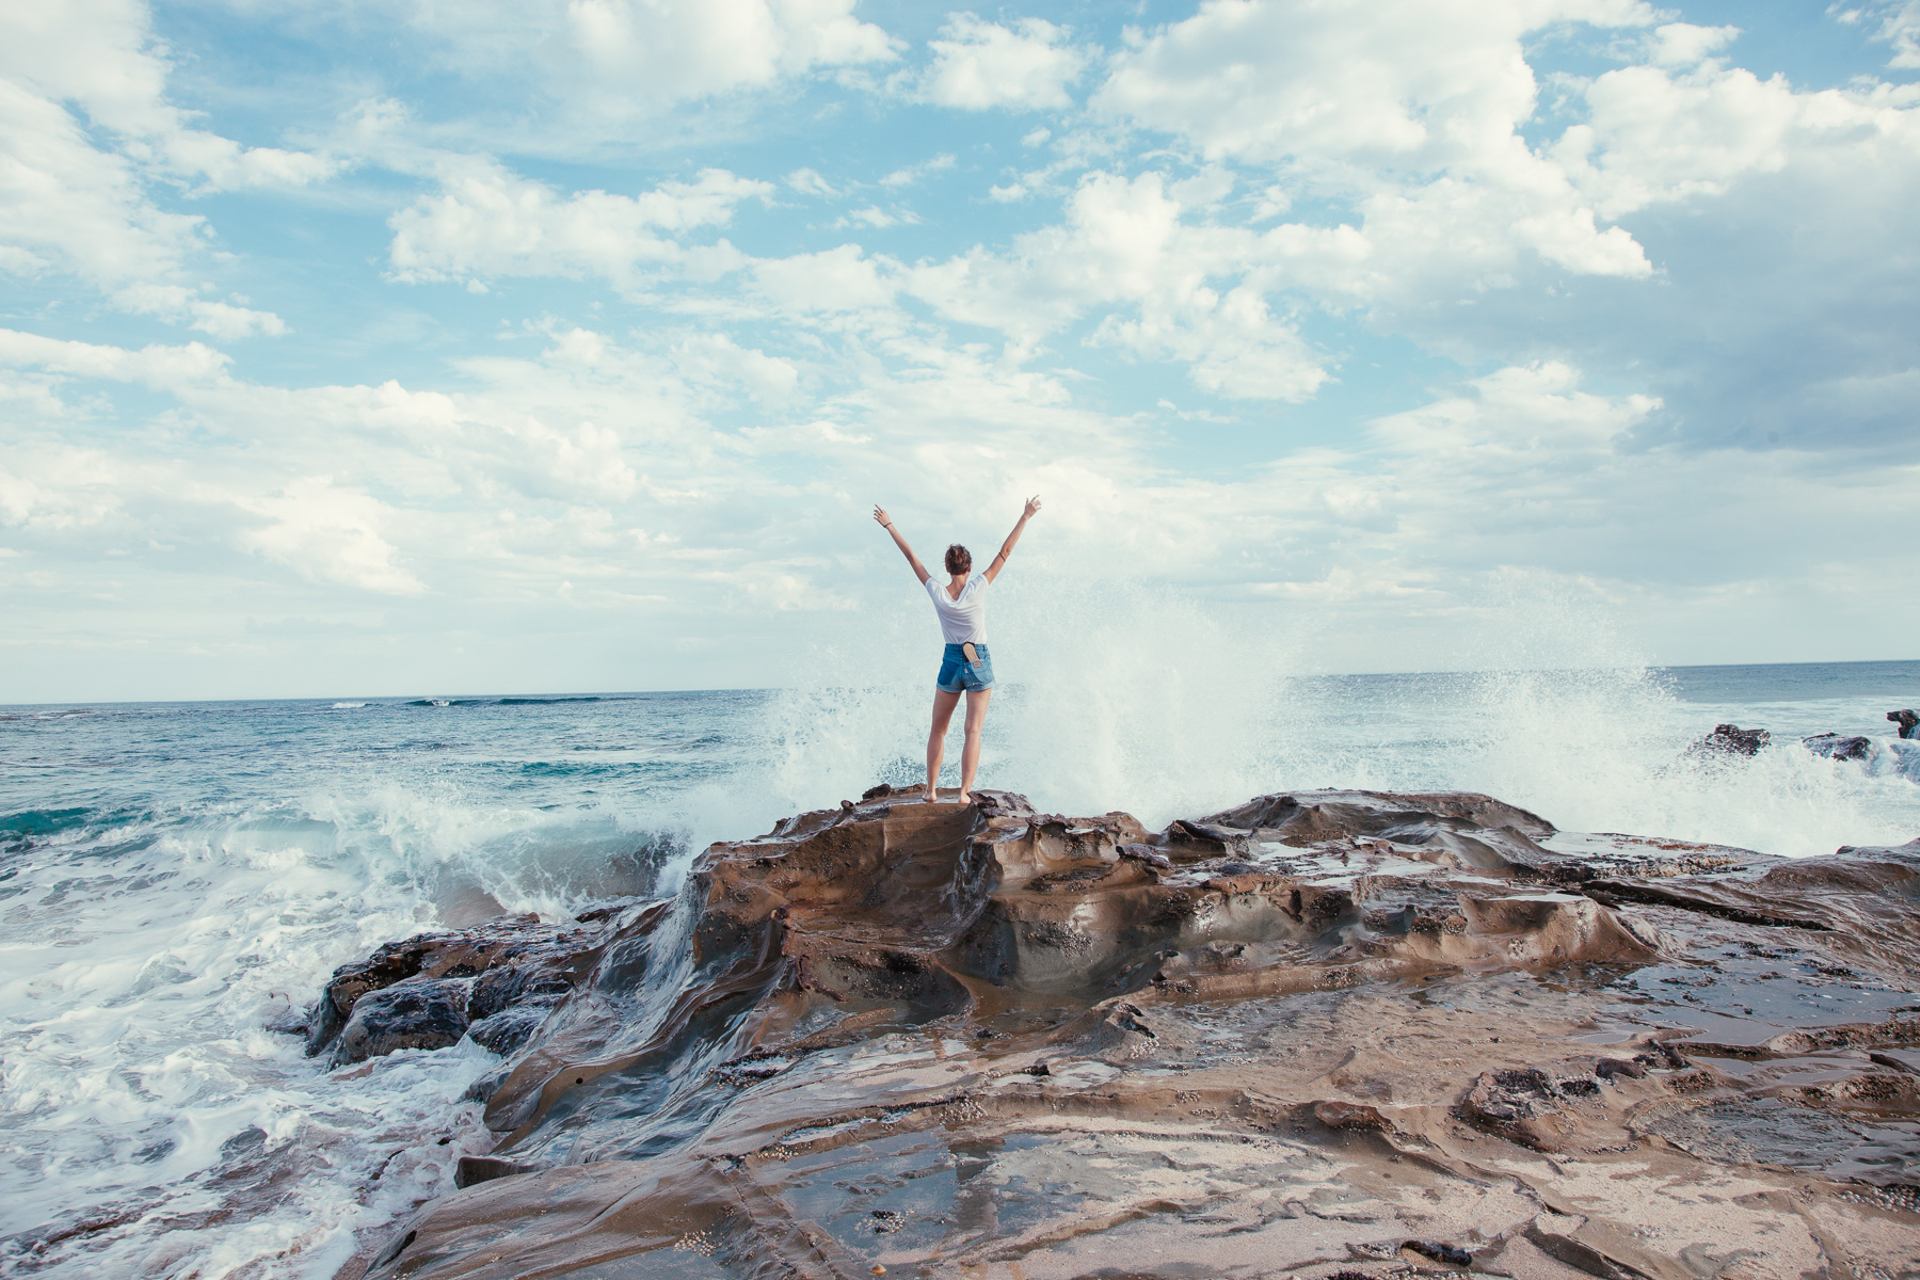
963,619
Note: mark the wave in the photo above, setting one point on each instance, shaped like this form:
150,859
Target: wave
43,822
521,700
145,1038
562,698
346,706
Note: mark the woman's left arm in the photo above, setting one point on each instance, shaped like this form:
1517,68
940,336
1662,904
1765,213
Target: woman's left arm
1006,548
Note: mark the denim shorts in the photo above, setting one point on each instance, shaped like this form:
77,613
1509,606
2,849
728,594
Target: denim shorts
956,673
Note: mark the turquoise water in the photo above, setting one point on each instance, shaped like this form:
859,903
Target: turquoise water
176,878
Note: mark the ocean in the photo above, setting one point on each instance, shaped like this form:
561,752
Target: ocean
179,879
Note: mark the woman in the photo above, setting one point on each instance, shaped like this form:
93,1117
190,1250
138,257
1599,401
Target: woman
961,603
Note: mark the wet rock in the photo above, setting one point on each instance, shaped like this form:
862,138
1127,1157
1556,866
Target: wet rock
427,955
471,1171
1838,747
983,1036
415,1014
1908,722
507,1030
1731,740
1526,1105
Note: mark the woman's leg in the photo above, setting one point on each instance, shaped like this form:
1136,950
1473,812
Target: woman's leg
970,754
943,705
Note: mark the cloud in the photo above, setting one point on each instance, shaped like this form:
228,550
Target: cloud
1654,136
610,61
485,221
102,56
1683,44
1403,85
877,218
808,182
1409,112
1897,24
330,534
1128,252
224,320
715,361
78,199
838,279
910,174
171,368
68,206
1232,345
979,65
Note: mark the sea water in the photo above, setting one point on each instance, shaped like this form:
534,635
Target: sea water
178,879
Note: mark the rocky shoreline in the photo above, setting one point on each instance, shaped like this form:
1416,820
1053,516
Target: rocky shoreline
1320,1034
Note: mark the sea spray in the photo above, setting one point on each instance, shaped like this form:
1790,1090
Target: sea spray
1108,696
1117,695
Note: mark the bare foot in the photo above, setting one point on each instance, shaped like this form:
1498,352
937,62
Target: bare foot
930,795
964,798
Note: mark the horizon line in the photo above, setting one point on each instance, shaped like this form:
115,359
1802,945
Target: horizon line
557,694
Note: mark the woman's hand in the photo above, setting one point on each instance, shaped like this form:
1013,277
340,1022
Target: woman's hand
881,518
1033,505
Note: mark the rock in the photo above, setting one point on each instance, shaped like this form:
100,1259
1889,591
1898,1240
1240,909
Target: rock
980,1037
514,970
1452,1255
1837,747
471,1171
1731,740
1519,1104
1908,721
415,1014
507,1030
427,955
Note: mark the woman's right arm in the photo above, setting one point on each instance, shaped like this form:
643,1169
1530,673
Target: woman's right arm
885,521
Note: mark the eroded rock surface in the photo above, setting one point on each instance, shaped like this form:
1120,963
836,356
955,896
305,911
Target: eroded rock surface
1318,1034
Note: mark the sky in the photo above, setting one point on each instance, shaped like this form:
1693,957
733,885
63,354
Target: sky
515,345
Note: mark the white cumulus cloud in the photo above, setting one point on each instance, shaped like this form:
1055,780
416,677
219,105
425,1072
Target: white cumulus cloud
1028,65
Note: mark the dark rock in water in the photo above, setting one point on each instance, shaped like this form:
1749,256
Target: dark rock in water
1837,747
420,1013
471,1171
427,955
1731,740
1909,722
1316,1032
512,972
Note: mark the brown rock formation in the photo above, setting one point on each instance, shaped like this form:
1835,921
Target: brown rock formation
1319,1034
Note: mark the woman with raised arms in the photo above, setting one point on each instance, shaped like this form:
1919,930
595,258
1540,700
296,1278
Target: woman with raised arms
966,666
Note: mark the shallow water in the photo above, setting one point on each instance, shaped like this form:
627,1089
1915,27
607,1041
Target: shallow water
177,878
